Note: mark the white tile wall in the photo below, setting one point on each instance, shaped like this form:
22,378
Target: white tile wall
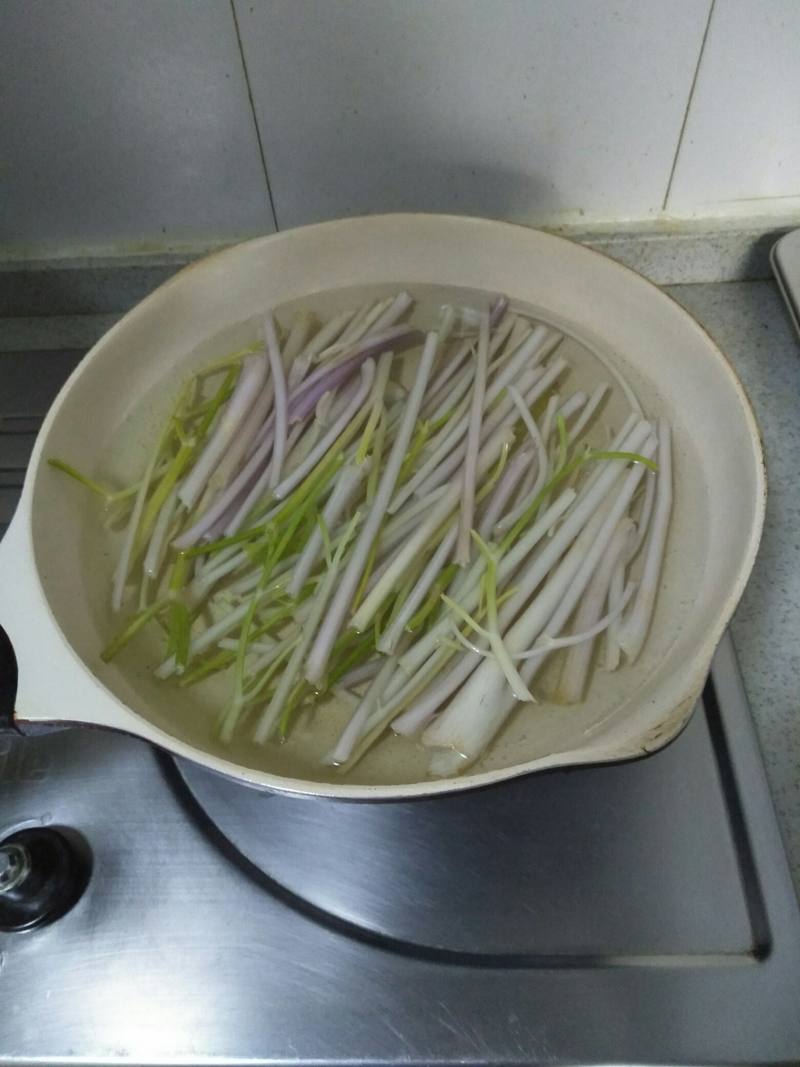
125,121
741,145
128,123
524,109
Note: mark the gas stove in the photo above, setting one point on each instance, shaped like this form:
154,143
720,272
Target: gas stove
636,913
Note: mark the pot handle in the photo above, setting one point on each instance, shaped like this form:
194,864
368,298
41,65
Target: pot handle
44,686
8,682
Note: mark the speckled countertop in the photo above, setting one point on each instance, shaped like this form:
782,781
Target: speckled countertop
749,322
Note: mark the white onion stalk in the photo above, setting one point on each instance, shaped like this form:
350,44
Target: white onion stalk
365,672
398,527
318,343
633,630
355,398
254,680
585,417
391,637
290,672
617,587
586,504
617,444
576,666
248,582
398,306
425,707
527,357
343,597
533,351
347,484
517,467
551,644
242,445
485,695
300,333
372,718
466,588
444,329
154,557
470,470
124,563
261,647
225,500
322,446
349,737
439,399
377,403
464,585
446,398
549,417
572,405
417,484
448,761
439,512
580,645
442,400
646,513
439,447
299,441
540,567
616,590
363,319
303,437
206,579
281,400
543,464
521,330
207,638
533,383
392,309
235,508
205,565
481,706
453,404
493,634
421,711
251,380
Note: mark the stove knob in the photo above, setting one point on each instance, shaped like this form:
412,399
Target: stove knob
42,874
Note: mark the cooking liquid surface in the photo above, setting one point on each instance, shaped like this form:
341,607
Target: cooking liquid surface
533,730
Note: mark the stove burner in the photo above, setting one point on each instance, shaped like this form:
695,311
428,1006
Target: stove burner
42,875
615,861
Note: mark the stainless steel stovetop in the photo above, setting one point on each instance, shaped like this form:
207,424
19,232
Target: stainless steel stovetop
640,913
630,914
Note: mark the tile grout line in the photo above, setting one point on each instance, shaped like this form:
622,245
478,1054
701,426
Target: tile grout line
255,117
689,99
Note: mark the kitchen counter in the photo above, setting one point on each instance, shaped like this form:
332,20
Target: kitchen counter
49,317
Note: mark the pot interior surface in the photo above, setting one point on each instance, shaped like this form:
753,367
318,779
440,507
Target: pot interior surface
106,422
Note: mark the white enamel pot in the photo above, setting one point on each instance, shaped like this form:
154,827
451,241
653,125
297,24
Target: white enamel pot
54,577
